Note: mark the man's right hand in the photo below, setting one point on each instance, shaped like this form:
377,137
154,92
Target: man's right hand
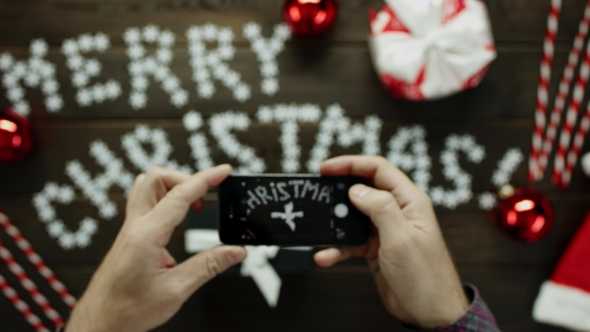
407,255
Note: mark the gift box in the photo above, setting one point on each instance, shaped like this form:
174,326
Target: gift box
428,49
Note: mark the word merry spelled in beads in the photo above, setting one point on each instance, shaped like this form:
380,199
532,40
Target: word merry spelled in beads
37,72
408,150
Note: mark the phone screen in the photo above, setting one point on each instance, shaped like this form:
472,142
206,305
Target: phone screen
290,210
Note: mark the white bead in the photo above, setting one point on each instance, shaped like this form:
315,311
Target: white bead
86,43
39,48
192,121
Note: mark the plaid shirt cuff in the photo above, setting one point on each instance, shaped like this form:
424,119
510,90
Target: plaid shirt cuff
478,318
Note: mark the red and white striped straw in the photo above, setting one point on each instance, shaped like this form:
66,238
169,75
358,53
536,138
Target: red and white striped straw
570,122
572,157
37,261
30,286
564,88
21,306
543,89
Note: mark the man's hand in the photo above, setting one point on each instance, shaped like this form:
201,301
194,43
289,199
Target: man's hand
139,286
413,270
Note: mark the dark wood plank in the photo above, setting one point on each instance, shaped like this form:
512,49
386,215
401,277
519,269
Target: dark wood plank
512,20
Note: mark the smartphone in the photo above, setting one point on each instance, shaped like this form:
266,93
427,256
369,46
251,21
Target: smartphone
290,210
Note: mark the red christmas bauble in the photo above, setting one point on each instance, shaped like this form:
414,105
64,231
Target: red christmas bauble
309,17
526,215
15,136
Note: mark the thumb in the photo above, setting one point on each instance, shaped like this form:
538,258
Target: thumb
381,207
199,269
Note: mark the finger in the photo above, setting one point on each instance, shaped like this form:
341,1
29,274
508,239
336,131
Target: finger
168,260
172,209
332,256
156,183
134,193
199,269
385,176
381,207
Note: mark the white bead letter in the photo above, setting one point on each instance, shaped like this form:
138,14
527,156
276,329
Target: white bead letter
290,116
266,51
158,66
55,226
221,124
35,72
417,160
97,189
206,63
84,69
449,158
335,123
192,122
161,147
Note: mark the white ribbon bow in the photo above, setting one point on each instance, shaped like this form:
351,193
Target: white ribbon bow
450,39
256,265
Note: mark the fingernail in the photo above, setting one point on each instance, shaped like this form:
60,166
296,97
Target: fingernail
222,167
236,255
326,254
359,190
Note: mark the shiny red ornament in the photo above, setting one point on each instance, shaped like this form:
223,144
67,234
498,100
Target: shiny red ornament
15,136
526,215
309,17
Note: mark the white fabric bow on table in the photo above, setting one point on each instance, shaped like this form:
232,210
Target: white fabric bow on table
424,49
256,265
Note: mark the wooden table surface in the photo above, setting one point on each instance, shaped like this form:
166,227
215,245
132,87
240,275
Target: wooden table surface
333,69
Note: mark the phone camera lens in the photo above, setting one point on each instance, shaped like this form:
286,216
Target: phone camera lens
341,210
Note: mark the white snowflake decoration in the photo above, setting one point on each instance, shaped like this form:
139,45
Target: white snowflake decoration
449,158
221,125
56,227
83,69
487,201
192,122
36,72
418,160
141,66
507,166
132,145
290,116
336,124
266,51
208,64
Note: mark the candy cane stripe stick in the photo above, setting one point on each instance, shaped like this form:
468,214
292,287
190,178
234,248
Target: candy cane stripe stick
564,88
543,89
572,157
570,120
21,306
37,261
30,286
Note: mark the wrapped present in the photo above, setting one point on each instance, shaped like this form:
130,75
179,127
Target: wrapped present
427,49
